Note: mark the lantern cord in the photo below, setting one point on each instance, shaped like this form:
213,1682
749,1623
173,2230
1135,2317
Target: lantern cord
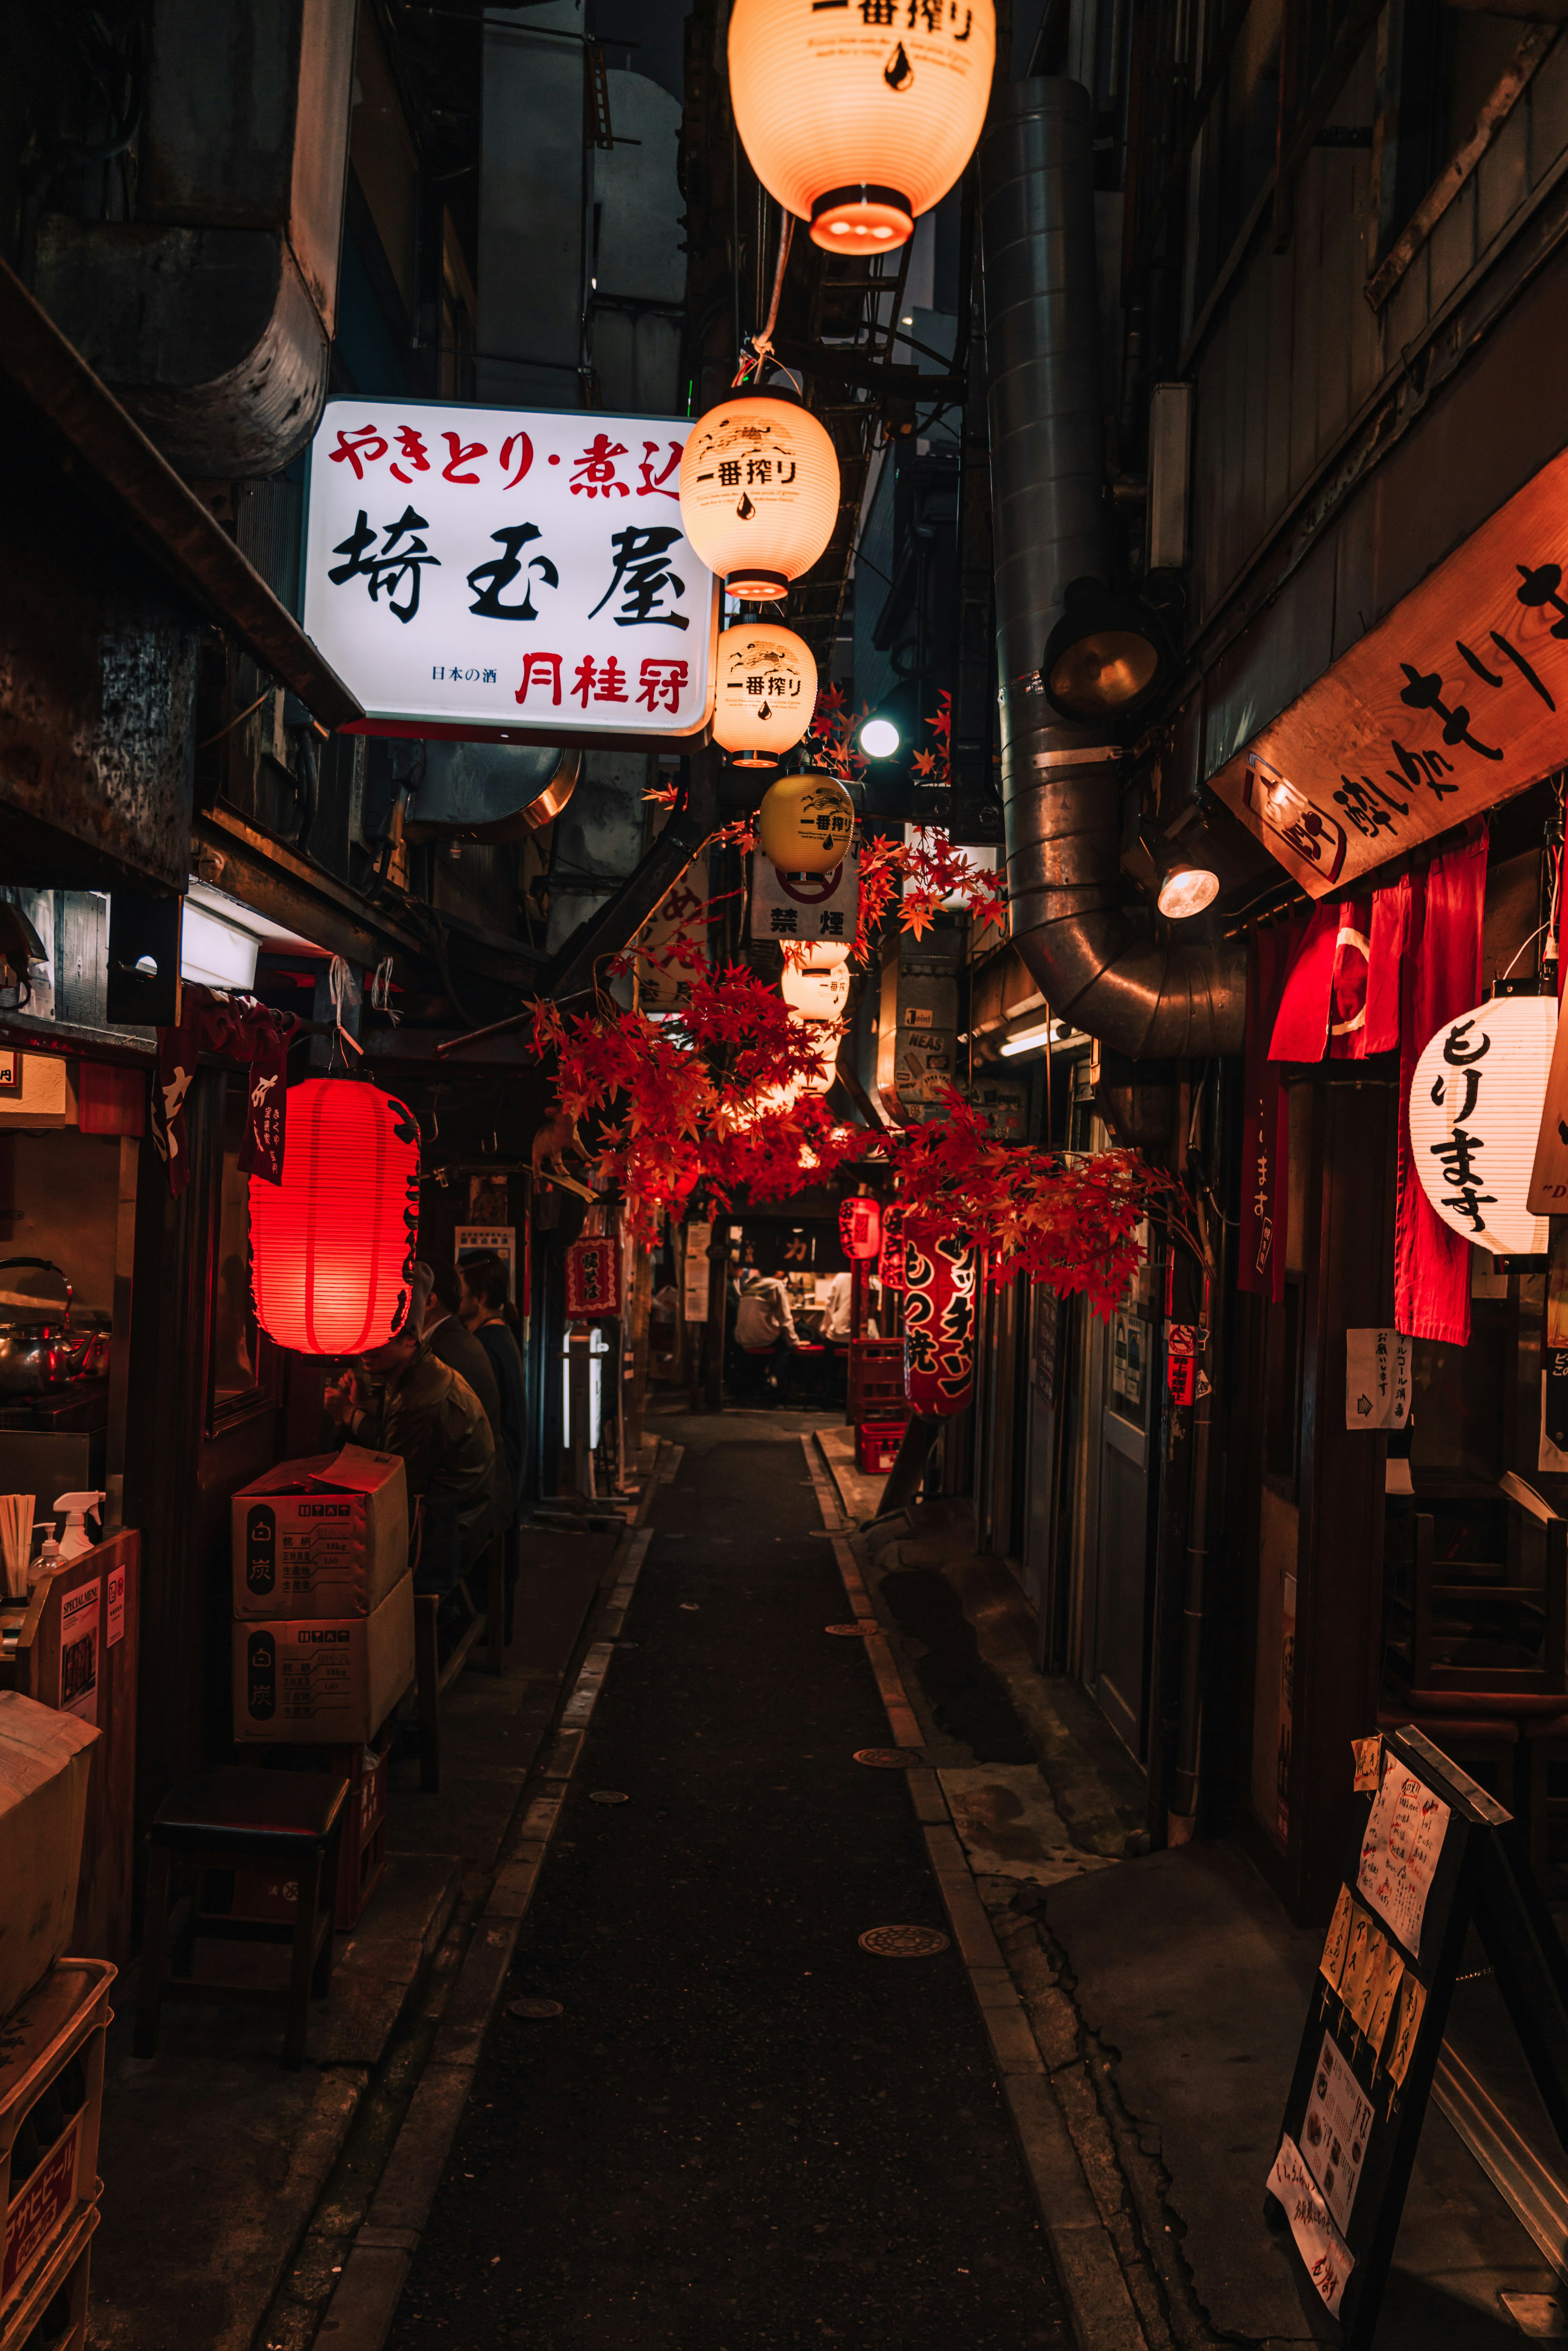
761,345
339,984
1529,942
381,990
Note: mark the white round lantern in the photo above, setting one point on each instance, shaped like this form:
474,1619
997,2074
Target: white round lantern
1475,1111
858,115
818,990
759,493
766,693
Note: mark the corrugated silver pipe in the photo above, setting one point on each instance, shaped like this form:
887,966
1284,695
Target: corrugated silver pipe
1097,960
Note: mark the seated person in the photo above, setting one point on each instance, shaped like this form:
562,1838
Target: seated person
763,1321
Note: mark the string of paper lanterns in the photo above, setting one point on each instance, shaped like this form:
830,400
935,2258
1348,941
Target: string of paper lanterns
759,493
332,1247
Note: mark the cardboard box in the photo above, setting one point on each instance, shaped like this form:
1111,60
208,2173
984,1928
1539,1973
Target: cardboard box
325,1537
45,1761
323,1680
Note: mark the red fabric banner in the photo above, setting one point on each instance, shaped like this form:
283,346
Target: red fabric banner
1265,1133
1441,978
212,1021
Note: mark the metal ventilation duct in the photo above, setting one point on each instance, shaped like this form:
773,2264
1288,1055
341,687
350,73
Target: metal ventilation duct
1097,960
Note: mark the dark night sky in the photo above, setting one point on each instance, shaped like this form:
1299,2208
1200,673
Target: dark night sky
657,25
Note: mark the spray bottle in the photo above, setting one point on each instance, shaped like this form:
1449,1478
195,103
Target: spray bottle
76,1539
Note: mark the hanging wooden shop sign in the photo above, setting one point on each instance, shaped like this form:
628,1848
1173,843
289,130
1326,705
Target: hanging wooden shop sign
1457,700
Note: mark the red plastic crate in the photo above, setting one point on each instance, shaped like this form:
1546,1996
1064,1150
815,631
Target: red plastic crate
877,1381
272,1894
51,2099
54,2300
876,1445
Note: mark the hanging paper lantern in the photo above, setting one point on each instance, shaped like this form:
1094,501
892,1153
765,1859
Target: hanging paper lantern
766,693
818,990
857,119
592,1279
827,1041
759,493
332,1247
938,1323
890,1265
1475,1113
805,824
860,1227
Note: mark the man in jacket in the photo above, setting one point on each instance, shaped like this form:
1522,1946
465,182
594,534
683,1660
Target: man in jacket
763,1323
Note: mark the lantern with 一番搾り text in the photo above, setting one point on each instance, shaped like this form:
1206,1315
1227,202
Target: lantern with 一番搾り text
592,1279
818,990
766,693
759,493
806,823
1476,1102
859,118
938,1322
860,1227
332,1245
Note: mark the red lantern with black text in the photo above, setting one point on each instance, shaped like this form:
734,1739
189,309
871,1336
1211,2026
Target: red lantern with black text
890,1265
938,1323
592,1280
332,1247
860,1227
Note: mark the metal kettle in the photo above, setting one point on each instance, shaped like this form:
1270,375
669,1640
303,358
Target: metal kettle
38,1348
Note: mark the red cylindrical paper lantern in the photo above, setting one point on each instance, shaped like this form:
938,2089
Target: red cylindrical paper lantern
860,1227
890,1265
332,1247
938,1323
592,1280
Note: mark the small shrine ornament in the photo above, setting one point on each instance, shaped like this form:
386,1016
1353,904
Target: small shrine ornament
860,1227
805,822
766,695
759,493
1476,1104
938,1323
592,1279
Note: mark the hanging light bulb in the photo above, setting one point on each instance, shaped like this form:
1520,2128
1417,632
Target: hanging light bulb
759,493
332,1247
805,822
766,693
854,125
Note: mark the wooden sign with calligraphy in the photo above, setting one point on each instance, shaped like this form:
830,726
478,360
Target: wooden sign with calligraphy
1455,701
1433,1855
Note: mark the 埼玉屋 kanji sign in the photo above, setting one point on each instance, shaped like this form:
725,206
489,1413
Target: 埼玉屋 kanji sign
521,572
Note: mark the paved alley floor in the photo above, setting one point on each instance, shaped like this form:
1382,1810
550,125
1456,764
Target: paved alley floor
743,2133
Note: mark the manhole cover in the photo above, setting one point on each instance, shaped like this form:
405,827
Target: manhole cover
853,1631
607,1796
888,1759
904,1942
534,2008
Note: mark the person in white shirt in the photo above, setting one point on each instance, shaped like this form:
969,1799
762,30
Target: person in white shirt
763,1320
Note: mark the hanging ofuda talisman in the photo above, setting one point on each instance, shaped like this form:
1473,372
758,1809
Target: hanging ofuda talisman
860,1227
938,1323
860,117
332,1247
1475,1113
766,693
759,493
805,824
592,1280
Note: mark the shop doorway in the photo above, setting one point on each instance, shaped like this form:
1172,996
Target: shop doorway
1118,1622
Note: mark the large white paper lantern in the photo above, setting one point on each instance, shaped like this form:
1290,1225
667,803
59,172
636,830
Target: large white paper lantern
818,990
1475,1113
759,493
767,692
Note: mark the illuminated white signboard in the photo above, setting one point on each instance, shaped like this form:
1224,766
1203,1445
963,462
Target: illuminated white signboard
502,570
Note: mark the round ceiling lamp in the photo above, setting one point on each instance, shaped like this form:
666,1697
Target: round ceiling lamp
818,990
1476,1102
759,493
1105,655
859,118
332,1247
805,822
766,693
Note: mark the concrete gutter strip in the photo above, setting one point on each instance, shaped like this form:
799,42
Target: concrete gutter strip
1093,2281
364,2300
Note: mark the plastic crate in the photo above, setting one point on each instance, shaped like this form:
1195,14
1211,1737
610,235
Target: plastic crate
51,2314
272,1895
877,1381
51,2101
876,1445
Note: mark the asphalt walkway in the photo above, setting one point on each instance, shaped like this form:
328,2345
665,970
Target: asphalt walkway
743,2131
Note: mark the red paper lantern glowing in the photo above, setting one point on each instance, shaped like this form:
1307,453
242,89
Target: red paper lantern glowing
592,1280
332,1247
860,1227
890,1265
938,1324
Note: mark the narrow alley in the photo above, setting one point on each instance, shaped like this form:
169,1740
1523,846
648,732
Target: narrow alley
742,2131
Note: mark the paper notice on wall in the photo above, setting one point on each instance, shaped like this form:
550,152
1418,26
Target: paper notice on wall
1328,2260
79,1650
1392,1976
1412,2007
114,1607
1335,2130
1400,1852
694,1302
1331,1967
1376,1379
489,1240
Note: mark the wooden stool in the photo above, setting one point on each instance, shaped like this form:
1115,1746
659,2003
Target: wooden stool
231,1820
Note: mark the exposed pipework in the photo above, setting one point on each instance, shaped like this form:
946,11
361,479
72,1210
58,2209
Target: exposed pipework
1097,959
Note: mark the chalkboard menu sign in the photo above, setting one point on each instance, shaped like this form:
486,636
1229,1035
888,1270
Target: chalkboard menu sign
1433,1855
